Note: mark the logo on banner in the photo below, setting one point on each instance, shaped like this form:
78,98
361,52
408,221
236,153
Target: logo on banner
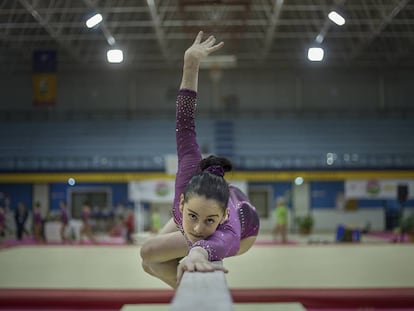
162,189
373,187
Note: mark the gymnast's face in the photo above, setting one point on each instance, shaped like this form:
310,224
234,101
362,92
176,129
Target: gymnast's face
201,217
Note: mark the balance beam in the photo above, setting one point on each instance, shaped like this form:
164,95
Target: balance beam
289,306
202,290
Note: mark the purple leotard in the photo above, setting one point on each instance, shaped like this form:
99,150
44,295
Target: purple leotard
37,218
243,220
85,216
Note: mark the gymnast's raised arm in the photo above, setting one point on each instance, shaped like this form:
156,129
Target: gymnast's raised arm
193,57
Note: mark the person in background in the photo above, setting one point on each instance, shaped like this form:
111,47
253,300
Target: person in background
155,220
281,213
2,223
38,223
64,221
129,225
86,228
118,228
20,217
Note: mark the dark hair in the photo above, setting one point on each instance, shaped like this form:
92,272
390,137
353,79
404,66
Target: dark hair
209,184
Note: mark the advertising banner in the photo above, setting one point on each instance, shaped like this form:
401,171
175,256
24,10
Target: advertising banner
44,79
161,191
377,188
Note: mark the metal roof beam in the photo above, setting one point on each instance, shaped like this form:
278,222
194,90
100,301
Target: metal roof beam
186,36
198,22
158,30
377,29
143,9
50,30
273,22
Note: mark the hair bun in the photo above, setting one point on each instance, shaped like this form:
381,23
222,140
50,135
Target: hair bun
212,160
216,170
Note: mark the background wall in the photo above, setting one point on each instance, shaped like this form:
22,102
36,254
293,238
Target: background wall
326,203
315,90
270,113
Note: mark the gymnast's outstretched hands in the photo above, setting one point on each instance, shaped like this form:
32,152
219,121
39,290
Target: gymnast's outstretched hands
193,57
201,49
197,260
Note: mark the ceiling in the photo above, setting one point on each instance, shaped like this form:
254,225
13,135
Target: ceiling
260,33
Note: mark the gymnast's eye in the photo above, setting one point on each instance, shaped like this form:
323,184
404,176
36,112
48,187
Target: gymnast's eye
192,216
210,221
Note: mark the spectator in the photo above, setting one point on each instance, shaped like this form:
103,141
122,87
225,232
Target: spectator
281,213
20,217
2,223
38,223
155,220
86,228
129,225
64,221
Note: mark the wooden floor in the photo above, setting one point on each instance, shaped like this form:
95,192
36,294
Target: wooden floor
300,267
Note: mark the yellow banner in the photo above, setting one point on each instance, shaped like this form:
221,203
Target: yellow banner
44,89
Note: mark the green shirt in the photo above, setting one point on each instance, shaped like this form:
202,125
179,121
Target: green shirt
156,221
281,213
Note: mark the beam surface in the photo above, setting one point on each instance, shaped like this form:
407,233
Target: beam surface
202,291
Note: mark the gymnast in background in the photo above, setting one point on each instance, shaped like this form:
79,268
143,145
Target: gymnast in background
86,228
212,219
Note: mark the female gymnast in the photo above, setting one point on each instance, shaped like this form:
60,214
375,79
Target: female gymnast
211,218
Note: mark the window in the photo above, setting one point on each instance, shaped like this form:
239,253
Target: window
261,198
100,197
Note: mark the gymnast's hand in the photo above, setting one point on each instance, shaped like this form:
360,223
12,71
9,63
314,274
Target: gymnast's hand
197,260
201,49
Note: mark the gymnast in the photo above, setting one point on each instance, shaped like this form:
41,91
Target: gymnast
211,218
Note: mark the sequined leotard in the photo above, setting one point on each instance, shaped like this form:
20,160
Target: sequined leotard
243,220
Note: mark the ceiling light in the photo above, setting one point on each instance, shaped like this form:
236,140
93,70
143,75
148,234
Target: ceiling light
115,56
94,20
110,40
319,38
315,54
336,18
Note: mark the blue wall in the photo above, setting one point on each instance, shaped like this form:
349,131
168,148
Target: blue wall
16,193
323,194
59,192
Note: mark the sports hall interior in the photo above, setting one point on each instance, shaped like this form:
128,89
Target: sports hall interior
331,138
